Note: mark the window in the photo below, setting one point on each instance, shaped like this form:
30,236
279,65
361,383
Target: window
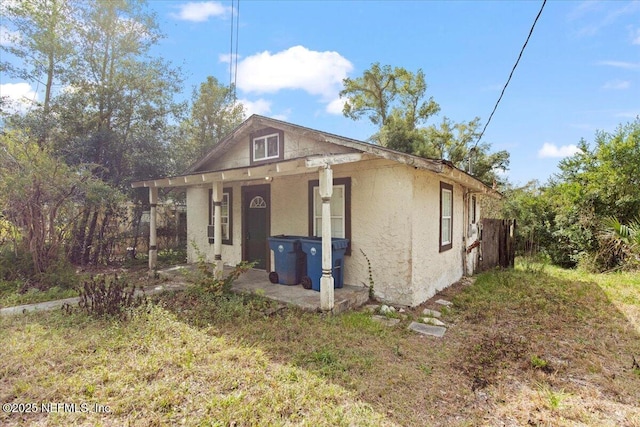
265,147
446,216
472,211
340,210
337,212
473,216
225,216
267,144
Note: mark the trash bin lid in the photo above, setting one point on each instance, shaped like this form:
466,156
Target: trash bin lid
339,243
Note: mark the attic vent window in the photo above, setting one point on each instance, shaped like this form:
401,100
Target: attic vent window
266,147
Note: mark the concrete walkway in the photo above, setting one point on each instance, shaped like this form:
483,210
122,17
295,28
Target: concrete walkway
253,281
40,306
53,305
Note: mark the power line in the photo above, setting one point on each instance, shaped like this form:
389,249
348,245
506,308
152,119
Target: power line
233,57
231,49
512,70
235,78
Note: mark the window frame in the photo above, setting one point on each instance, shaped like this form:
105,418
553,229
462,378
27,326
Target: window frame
337,182
443,244
473,210
265,134
228,192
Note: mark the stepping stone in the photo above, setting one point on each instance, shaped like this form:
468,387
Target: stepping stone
384,309
385,320
444,302
421,328
371,308
431,313
432,321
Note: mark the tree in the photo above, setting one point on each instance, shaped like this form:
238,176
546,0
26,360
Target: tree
44,42
39,194
394,100
596,183
214,114
458,143
388,96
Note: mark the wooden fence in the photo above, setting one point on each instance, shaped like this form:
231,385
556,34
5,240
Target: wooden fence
497,243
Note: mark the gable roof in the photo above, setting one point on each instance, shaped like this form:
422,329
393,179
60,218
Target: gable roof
256,122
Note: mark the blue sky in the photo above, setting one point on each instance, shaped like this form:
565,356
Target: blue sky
580,72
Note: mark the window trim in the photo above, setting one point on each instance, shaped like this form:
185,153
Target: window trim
346,182
264,134
228,191
473,210
444,187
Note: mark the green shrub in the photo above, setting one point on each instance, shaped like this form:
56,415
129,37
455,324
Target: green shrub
207,279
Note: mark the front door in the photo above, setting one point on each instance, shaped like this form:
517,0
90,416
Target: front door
256,208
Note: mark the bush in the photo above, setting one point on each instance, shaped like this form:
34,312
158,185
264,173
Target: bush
17,265
207,279
101,297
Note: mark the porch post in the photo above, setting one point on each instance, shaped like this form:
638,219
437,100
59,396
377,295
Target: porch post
216,196
153,248
326,281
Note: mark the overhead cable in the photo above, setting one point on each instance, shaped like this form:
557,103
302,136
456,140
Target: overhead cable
512,70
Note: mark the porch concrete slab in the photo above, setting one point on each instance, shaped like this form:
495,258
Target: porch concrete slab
257,282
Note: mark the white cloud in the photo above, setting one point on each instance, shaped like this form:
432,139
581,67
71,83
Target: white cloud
261,106
8,37
284,116
201,11
621,64
227,57
20,95
552,150
317,73
336,106
617,84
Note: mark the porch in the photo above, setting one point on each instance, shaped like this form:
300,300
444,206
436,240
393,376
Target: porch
256,281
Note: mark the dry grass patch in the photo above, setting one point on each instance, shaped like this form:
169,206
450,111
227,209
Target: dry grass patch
541,347
156,370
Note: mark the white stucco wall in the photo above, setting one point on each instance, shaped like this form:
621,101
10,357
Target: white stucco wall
381,227
395,214
198,220
434,270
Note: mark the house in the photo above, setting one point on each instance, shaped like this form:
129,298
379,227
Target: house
414,218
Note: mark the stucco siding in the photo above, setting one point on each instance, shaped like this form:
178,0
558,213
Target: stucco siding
197,222
395,220
381,227
433,270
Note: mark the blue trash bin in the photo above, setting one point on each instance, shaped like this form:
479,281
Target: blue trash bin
289,260
312,248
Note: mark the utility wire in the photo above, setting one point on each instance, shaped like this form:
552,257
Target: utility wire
235,78
231,49
511,74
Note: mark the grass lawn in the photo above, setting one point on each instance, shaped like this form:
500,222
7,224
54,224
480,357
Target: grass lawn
532,346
